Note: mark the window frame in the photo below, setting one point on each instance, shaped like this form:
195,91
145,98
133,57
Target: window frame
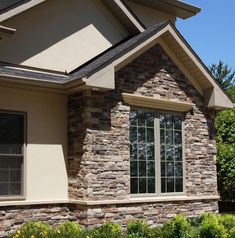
23,167
157,113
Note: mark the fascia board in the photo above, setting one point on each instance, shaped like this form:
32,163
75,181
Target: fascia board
21,8
128,14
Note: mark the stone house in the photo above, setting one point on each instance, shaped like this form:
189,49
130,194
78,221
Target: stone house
106,113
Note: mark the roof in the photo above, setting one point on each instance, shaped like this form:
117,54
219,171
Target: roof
100,72
173,7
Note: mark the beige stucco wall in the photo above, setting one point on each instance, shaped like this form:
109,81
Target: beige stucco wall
61,36
149,16
46,149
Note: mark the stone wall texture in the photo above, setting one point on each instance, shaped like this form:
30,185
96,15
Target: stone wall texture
99,131
98,159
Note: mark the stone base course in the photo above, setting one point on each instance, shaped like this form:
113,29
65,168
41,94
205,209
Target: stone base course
12,217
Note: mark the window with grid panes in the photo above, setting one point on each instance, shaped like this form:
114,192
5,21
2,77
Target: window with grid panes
11,153
156,145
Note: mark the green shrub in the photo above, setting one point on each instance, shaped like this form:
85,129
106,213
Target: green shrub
210,227
138,229
108,230
32,230
178,227
157,232
67,230
228,221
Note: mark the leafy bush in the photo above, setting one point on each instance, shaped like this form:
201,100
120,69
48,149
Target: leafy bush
178,227
228,221
32,230
210,227
108,230
138,229
67,230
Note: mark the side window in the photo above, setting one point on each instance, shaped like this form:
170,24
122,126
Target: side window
147,153
11,153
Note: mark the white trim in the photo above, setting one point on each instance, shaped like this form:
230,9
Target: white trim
109,202
19,9
157,103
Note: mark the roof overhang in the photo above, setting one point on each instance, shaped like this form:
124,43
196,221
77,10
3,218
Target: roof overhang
100,74
173,7
6,32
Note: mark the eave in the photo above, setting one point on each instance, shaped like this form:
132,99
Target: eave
173,7
99,74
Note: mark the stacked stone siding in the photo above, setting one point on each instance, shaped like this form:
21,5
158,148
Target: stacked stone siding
103,152
98,158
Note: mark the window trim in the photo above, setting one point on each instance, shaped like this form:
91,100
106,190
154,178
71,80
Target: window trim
22,196
158,192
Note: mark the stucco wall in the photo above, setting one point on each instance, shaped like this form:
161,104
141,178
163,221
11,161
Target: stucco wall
149,16
61,36
46,149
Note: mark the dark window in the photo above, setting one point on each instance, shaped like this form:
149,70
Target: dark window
11,153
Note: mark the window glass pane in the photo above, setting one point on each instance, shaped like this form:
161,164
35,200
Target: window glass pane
169,137
162,121
150,135
178,138
142,151
169,121
134,185
177,122
170,169
142,185
178,169
170,185
15,188
141,118
133,118
169,152
11,133
133,134
4,189
141,135
4,176
133,151
179,184
178,152
150,152
134,171
151,185
163,152
142,169
151,168
163,169
150,119
163,185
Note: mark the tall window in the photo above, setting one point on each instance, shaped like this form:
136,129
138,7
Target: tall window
155,145
11,153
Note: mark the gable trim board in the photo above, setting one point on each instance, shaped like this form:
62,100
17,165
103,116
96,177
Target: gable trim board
176,8
100,73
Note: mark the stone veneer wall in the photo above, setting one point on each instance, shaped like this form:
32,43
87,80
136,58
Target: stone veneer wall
99,131
12,217
98,160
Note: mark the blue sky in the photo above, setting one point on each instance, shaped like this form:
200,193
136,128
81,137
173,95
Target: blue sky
211,33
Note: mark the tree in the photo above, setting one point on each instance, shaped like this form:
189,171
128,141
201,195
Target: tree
225,138
223,74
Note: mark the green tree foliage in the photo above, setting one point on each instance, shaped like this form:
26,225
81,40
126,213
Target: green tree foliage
223,74
225,125
231,92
